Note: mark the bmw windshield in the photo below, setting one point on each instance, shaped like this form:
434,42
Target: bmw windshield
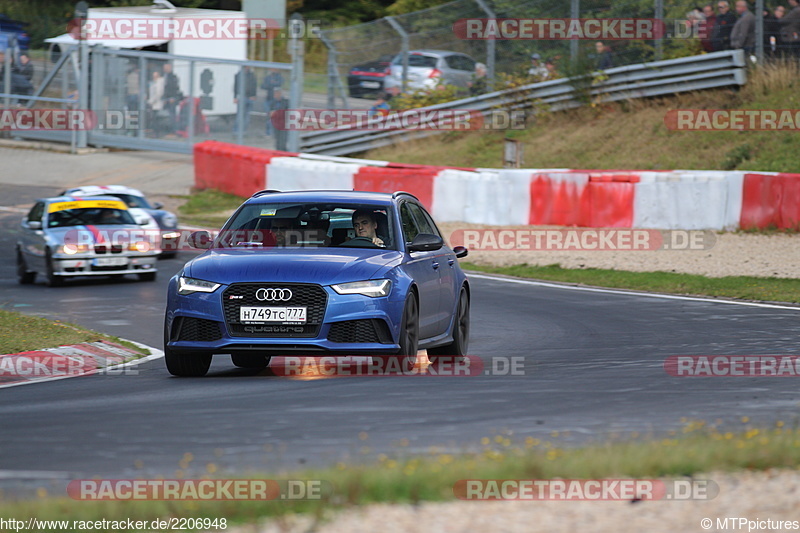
96,216
318,225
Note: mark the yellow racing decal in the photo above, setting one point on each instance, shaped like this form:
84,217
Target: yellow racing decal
86,204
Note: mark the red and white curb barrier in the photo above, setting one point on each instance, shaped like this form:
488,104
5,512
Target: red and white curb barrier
85,359
673,199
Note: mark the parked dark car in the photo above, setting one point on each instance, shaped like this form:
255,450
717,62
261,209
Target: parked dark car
367,78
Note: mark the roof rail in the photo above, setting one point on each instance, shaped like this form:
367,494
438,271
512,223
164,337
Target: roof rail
265,191
398,193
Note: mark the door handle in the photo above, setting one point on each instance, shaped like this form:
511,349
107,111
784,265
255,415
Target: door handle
435,265
451,262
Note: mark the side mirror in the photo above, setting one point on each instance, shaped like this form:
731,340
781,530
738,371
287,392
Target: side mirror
157,205
460,251
35,224
425,242
201,239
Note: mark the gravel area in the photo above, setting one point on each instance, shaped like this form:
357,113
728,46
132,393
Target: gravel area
732,254
770,495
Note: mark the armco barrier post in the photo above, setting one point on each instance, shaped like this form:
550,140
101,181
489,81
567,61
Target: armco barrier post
297,50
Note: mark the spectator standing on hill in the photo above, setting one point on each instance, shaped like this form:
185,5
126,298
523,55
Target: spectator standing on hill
705,28
381,106
773,43
743,35
478,83
273,80
537,70
721,35
247,77
172,95
604,57
25,67
279,104
790,28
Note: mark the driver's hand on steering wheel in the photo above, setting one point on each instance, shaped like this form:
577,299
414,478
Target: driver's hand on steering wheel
377,241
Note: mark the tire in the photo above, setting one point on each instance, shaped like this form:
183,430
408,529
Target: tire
185,365
53,280
24,276
409,334
147,276
460,345
249,360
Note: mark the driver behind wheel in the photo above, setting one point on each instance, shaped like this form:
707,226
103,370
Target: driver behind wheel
366,226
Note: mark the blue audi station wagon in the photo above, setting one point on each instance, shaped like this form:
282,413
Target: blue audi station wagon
318,273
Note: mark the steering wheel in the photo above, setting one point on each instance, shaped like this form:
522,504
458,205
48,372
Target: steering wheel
360,242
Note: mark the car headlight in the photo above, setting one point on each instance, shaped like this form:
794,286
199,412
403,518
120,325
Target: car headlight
169,221
190,285
141,246
72,249
374,288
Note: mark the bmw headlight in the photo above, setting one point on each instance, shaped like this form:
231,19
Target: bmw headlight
374,288
72,249
191,285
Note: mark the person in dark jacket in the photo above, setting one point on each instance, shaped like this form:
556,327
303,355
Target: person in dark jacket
279,105
773,43
721,35
172,96
273,80
790,28
604,58
250,89
743,35
24,67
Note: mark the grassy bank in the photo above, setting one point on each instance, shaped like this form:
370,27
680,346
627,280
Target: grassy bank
20,333
741,287
209,208
697,449
631,135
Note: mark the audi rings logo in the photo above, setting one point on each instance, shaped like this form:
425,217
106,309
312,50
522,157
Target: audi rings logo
275,295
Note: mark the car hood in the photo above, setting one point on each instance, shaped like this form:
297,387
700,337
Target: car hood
315,265
106,233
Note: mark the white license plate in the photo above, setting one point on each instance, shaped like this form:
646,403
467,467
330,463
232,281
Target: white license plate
109,261
371,84
281,315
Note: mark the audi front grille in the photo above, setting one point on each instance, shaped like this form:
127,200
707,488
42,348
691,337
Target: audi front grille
312,297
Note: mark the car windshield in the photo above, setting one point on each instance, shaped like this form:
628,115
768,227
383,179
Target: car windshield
417,61
317,225
95,216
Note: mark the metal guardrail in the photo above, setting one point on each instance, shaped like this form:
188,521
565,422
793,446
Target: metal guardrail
707,71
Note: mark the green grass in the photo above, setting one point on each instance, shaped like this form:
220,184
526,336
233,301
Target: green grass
741,287
209,208
21,333
630,135
696,449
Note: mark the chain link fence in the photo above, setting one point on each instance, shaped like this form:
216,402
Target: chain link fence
360,55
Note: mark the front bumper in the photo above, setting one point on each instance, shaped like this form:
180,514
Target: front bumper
197,324
92,265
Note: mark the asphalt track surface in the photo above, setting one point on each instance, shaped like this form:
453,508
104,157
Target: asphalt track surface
593,365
